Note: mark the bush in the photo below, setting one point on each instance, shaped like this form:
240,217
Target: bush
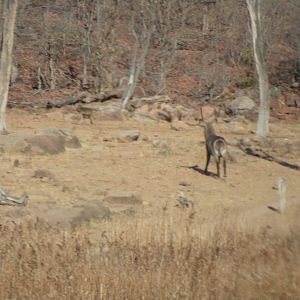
246,56
247,81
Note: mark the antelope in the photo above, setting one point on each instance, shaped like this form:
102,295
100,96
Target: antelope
215,146
86,113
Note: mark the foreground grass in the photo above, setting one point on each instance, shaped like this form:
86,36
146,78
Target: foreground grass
134,261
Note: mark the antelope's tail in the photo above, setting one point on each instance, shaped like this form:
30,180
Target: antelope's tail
220,147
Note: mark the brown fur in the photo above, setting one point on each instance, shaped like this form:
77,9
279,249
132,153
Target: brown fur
215,146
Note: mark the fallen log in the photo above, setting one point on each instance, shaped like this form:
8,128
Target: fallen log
262,154
85,97
5,199
138,102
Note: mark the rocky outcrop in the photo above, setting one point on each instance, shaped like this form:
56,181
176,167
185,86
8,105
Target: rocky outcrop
42,141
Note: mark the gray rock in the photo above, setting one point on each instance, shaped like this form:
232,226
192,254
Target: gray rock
143,117
179,126
43,141
102,112
163,146
125,198
42,173
275,92
293,101
242,104
245,141
109,114
128,136
40,144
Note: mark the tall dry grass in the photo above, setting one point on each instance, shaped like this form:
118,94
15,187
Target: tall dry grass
144,261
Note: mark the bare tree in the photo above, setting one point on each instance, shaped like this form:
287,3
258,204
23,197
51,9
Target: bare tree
9,12
262,126
137,63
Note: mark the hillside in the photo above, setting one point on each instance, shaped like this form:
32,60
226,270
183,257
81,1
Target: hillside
99,202
197,48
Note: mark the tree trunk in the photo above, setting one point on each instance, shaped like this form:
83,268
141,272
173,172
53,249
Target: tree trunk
9,14
262,126
85,74
136,69
52,73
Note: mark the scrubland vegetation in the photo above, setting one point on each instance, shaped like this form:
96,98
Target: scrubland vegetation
169,260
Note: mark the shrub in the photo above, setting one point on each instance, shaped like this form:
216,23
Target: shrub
246,56
247,81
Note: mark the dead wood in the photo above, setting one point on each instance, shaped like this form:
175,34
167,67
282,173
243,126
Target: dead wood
85,97
262,154
138,102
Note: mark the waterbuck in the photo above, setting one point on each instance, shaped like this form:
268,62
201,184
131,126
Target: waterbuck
215,146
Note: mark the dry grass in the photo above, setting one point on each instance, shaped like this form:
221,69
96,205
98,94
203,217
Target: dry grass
144,261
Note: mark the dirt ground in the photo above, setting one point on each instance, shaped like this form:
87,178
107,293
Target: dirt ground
157,174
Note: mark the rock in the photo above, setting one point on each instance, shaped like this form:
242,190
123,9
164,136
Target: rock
275,92
183,112
14,143
41,144
245,141
109,114
241,105
125,198
128,136
144,117
183,201
103,112
179,125
167,113
43,141
42,173
163,146
234,153
293,101
232,141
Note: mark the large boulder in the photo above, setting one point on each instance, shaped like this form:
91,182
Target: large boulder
242,105
103,112
42,141
179,126
126,136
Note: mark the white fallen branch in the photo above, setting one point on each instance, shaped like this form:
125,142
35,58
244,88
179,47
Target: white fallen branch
282,192
6,199
183,201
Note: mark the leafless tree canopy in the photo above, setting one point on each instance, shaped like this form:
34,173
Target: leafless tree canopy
188,49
